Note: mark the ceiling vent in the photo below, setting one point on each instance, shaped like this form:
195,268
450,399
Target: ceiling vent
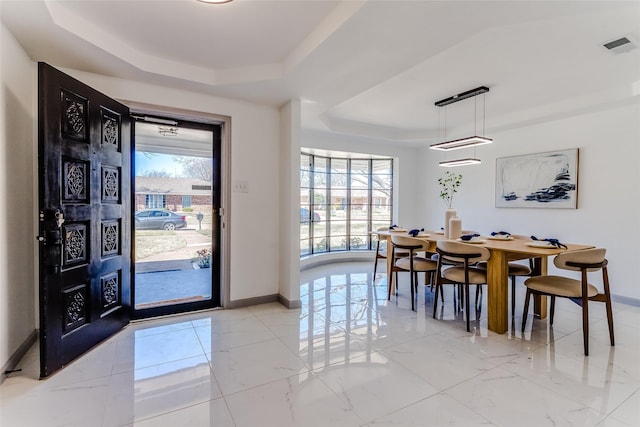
620,45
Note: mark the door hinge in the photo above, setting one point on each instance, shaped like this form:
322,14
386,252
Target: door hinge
221,212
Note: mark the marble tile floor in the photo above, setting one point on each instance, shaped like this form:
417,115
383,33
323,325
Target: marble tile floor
348,357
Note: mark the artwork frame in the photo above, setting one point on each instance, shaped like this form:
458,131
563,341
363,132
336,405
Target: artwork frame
547,180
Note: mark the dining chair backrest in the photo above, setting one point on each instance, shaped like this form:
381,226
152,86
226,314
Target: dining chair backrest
382,238
407,242
568,260
450,249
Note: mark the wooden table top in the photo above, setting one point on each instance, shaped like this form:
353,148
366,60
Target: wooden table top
519,243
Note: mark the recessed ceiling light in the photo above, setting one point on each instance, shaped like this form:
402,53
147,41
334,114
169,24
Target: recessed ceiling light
215,1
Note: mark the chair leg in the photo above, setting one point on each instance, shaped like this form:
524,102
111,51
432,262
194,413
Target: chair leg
396,282
585,324
435,300
525,310
605,281
413,292
466,305
552,309
389,286
610,321
375,264
513,296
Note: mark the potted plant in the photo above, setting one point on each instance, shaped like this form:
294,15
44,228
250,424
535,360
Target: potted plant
449,184
203,259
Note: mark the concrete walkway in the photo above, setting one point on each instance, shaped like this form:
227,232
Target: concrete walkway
172,287
170,278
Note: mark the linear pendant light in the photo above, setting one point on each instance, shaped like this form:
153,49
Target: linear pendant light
461,143
459,162
471,141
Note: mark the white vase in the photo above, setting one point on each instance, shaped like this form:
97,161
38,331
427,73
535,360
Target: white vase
448,214
455,227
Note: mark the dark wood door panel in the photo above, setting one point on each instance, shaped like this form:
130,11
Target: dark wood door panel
84,197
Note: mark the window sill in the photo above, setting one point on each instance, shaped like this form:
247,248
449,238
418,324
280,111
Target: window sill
316,260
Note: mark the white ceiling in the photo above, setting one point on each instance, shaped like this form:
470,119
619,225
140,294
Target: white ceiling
370,68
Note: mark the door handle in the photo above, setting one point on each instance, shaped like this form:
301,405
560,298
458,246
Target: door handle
59,218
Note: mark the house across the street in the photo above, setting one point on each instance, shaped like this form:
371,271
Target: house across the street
175,194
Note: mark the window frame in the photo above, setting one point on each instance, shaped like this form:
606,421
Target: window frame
151,201
347,242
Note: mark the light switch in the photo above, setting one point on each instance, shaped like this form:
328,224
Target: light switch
240,187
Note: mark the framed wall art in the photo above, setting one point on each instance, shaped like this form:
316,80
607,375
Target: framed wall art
541,180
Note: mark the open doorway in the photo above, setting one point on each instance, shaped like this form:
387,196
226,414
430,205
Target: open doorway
175,223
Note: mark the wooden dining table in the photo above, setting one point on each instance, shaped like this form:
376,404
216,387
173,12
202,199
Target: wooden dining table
502,252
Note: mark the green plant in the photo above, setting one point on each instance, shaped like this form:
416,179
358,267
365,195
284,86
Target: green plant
449,184
187,209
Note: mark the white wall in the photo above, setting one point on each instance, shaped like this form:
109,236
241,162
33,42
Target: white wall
289,202
608,213
18,155
254,216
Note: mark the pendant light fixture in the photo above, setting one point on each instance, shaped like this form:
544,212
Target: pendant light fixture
471,141
459,162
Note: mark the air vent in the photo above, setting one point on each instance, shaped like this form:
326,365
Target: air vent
622,44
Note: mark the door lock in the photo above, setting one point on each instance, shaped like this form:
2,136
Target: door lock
59,218
50,229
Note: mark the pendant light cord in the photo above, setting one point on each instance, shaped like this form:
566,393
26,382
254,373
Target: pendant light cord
484,109
475,122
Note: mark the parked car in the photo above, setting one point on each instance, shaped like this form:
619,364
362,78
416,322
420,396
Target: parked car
159,219
305,215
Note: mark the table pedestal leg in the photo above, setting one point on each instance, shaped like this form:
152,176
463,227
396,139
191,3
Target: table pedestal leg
498,292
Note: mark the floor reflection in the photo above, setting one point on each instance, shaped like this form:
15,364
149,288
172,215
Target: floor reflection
347,357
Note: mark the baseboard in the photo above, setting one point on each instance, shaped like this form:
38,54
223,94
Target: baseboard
289,304
18,355
626,300
252,301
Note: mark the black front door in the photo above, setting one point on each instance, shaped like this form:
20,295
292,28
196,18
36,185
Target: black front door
84,202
